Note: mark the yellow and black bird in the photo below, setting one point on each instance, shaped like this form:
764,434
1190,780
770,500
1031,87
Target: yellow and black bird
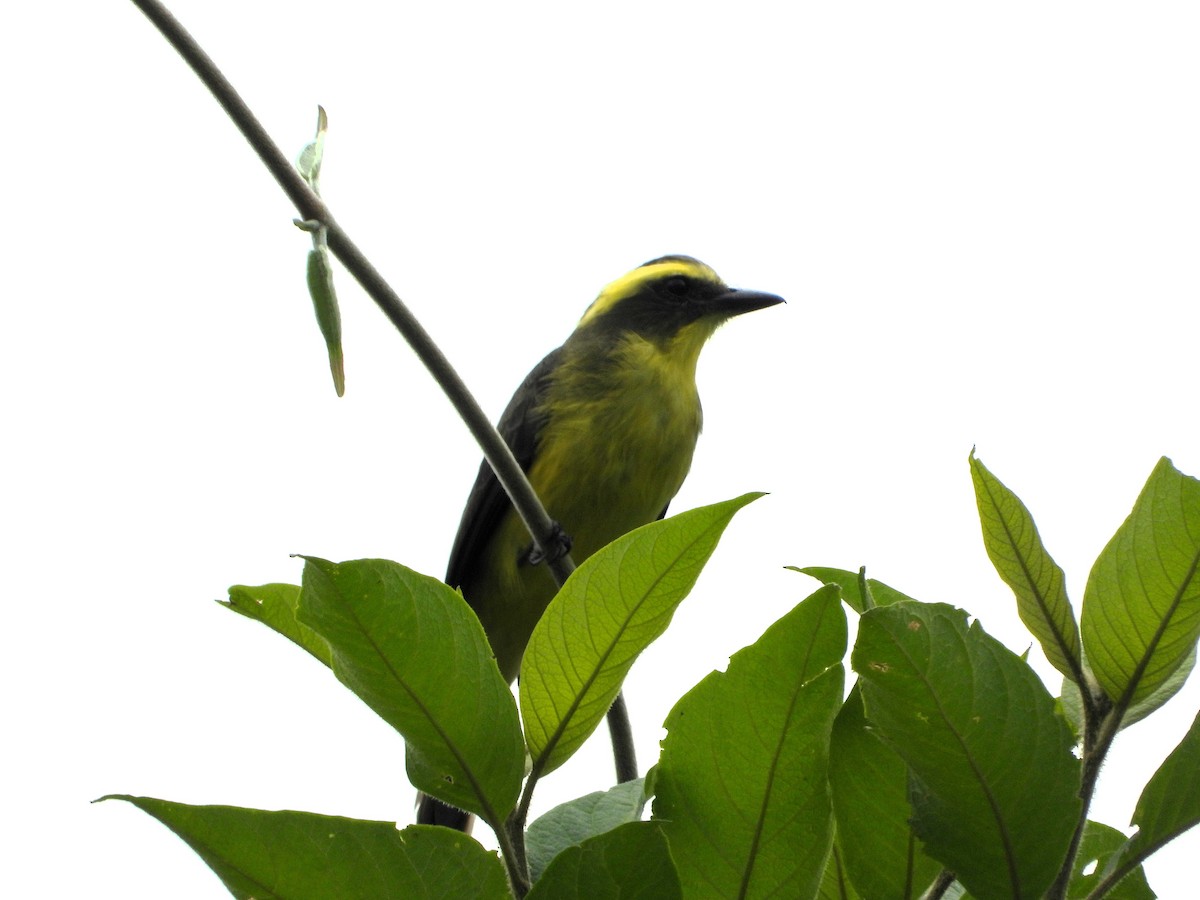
604,428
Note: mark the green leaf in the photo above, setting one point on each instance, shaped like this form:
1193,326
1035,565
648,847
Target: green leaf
1141,607
1016,550
275,605
572,823
870,803
835,883
267,855
325,305
413,650
308,163
611,609
742,791
1099,846
631,861
850,583
994,780
1169,805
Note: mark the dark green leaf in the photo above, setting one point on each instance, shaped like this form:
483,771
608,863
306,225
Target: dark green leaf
742,791
574,822
275,605
870,803
631,862
413,650
994,780
851,586
1141,607
268,855
1016,550
1169,805
1100,843
611,609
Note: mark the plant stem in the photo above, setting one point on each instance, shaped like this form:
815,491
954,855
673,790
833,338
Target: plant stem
1102,720
513,853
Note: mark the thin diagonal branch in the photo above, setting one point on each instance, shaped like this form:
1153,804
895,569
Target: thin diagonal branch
541,528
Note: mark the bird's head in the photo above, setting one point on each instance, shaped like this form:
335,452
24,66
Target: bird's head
673,302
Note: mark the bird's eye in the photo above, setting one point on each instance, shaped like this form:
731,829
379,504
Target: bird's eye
677,285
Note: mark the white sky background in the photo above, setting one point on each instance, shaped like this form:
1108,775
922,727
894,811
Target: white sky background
985,224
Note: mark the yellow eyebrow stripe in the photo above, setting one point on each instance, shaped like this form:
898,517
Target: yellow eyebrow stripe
632,282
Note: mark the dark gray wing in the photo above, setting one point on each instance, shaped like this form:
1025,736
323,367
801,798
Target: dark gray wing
435,812
487,503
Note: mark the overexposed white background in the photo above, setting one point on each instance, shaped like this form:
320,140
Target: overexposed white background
984,221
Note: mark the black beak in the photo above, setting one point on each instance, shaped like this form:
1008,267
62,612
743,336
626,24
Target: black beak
734,302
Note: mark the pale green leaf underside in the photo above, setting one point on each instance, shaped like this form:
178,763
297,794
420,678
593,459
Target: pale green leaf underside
1141,607
611,608
1022,561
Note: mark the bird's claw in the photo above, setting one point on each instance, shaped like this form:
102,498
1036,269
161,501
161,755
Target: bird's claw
558,546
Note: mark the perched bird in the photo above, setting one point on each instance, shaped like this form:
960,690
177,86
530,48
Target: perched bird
604,428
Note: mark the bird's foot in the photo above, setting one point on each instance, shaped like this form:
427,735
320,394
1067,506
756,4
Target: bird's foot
557,547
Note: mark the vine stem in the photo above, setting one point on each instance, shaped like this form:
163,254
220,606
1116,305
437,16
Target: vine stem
542,528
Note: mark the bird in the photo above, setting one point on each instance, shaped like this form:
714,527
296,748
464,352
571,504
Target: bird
604,427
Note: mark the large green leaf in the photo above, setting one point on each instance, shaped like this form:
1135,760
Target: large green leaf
268,855
1169,805
276,605
994,788
1141,607
413,650
611,609
875,841
741,785
573,822
631,862
1016,550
